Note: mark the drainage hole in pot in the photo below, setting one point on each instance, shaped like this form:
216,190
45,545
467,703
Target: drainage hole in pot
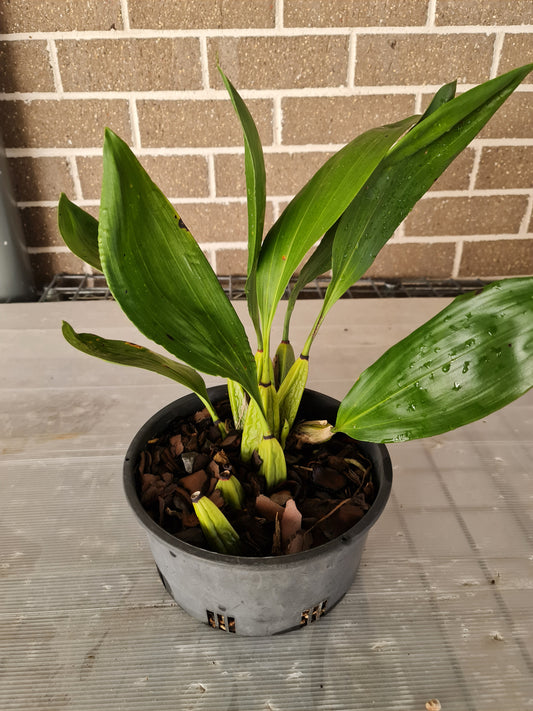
221,621
313,613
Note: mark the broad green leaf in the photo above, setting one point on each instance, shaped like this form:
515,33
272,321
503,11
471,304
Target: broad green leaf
471,359
160,276
254,168
315,208
397,184
125,353
79,231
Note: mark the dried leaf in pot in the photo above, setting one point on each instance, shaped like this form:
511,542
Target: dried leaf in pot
328,478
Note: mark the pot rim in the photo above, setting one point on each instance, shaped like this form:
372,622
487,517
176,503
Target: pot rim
149,429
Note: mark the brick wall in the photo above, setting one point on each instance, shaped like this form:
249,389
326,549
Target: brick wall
314,74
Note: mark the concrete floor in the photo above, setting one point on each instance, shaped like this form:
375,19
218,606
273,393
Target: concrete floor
442,606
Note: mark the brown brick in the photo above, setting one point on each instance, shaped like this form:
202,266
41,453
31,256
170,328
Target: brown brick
484,12
46,265
286,172
199,123
505,167
499,214
506,257
25,66
339,119
414,260
65,123
513,119
60,15
279,62
422,59
40,227
232,261
517,50
229,176
128,65
176,176
198,14
457,174
40,178
90,172
218,222
347,13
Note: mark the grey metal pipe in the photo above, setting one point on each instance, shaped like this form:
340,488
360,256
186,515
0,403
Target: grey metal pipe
16,279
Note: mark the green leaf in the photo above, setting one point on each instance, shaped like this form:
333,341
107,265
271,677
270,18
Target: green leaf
273,466
238,403
283,362
232,491
401,179
291,390
444,94
471,359
160,276
315,208
79,231
476,105
254,168
219,532
125,353
255,427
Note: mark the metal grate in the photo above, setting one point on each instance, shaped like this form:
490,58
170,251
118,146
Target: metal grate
83,287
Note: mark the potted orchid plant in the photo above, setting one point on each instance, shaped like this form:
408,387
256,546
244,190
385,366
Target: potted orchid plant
471,359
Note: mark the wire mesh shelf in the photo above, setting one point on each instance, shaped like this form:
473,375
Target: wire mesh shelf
84,287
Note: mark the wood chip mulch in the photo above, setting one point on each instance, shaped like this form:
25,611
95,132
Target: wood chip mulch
328,489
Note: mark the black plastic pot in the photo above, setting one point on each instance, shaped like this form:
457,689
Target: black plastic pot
256,596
